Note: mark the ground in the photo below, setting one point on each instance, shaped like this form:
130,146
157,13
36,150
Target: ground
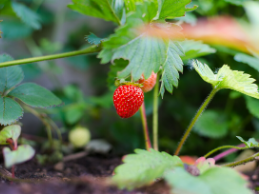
87,175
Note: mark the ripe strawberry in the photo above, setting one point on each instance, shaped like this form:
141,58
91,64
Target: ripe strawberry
149,83
127,100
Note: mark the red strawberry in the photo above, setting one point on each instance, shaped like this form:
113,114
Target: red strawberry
149,83
127,100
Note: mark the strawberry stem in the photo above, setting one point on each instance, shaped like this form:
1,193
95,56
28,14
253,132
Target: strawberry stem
198,114
155,114
224,147
145,128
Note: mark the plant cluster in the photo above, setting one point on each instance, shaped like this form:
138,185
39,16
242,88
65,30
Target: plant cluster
147,50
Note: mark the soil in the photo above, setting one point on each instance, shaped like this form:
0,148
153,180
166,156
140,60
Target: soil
87,175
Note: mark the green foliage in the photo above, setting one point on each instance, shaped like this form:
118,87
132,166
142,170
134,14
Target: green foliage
9,76
110,10
131,4
13,30
171,66
250,143
252,11
237,2
93,39
252,105
189,18
22,154
143,168
170,9
35,95
29,93
212,124
74,112
48,46
11,131
228,79
215,180
249,60
146,53
28,16
117,66
193,49
10,111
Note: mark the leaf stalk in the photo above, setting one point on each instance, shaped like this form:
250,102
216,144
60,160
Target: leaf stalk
89,50
224,147
194,120
145,127
250,159
155,114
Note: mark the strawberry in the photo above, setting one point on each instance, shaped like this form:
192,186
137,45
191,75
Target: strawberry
127,100
149,83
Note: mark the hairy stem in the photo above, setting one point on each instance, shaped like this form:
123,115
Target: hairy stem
89,50
250,159
155,114
201,109
227,152
145,128
224,147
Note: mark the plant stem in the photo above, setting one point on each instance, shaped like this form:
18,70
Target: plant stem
155,113
227,152
43,120
13,145
145,128
201,109
224,147
250,159
89,50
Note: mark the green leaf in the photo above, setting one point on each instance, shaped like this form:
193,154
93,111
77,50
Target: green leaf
127,33
28,16
11,131
9,76
249,60
212,124
252,105
189,18
119,65
74,112
143,168
215,180
93,39
252,11
13,30
110,10
194,49
250,143
228,79
237,2
22,154
145,53
171,66
10,111
35,95
131,4
170,9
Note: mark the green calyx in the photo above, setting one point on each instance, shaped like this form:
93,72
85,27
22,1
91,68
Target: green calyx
123,82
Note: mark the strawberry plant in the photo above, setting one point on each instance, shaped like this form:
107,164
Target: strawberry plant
150,47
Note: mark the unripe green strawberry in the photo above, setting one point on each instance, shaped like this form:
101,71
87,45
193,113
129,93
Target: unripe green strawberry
79,137
127,100
149,83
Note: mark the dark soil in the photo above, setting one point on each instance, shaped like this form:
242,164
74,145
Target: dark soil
87,175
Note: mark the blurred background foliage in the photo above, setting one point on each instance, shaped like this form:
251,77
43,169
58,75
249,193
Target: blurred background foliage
41,27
